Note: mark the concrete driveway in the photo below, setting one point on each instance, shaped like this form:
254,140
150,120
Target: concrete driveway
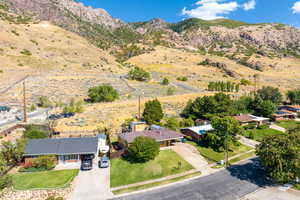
93,184
273,193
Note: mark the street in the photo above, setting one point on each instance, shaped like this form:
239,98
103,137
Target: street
231,184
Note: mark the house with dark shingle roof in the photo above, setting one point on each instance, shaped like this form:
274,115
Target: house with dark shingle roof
164,137
65,149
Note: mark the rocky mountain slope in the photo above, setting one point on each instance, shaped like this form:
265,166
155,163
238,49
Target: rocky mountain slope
220,36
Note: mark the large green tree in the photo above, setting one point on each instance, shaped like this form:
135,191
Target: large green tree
139,74
270,94
209,106
294,96
262,107
103,93
280,154
153,112
225,131
143,149
33,132
12,153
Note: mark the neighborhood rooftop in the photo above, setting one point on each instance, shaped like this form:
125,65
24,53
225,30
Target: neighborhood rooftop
158,135
249,118
63,146
200,129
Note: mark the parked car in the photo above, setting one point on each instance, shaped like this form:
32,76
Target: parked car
68,115
87,164
104,162
55,116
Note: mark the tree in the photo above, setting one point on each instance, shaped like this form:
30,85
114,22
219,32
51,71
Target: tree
208,106
33,132
143,149
139,74
263,108
103,93
44,162
165,81
12,153
225,131
294,96
3,165
270,94
74,107
280,154
44,102
187,122
153,112
172,123
243,104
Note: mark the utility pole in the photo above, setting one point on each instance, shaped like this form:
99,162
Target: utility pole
24,103
226,150
139,106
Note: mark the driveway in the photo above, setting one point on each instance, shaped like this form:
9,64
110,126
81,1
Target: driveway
273,193
93,184
278,128
192,156
231,184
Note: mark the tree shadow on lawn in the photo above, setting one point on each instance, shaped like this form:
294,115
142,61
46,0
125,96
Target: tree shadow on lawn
252,172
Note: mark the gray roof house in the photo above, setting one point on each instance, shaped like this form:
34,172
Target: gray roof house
66,149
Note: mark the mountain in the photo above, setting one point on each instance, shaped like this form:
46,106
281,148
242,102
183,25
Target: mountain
221,36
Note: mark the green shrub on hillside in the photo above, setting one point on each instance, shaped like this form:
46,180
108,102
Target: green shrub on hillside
103,93
139,74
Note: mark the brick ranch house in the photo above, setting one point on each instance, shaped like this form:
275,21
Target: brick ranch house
249,119
163,136
66,150
197,132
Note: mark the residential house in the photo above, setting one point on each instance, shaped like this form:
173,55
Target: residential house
284,115
164,137
197,132
292,108
246,119
66,150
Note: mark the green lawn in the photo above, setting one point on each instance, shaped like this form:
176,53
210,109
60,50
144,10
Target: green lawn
43,180
165,164
214,156
288,124
242,157
150,185
260,134
297,186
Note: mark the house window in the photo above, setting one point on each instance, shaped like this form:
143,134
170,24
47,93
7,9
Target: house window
71,157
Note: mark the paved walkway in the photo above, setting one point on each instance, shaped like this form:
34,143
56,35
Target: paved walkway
278,128
93,184
248,142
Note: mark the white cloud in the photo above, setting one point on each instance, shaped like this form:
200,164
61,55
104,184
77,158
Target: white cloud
249,5
296,7
211,9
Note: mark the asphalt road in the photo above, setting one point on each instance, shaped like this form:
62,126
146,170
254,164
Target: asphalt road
230,184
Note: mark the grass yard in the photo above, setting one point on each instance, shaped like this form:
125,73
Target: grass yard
150,185
165,164
213,156
289,124
297,186
260,134
242,157
43,180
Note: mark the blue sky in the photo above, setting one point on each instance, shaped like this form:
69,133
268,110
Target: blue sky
252,11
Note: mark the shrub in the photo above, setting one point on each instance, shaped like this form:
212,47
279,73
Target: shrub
44,162
245,82
251,135
1,71
187,122
103,93
264,126
32,107
153,112
143,149
250,126
74,107
44,102
5,181
170,91
172,123
54,198
26,52
183,78
33,132
165,81
139,74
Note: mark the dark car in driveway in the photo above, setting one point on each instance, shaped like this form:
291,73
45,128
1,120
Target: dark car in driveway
86,164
